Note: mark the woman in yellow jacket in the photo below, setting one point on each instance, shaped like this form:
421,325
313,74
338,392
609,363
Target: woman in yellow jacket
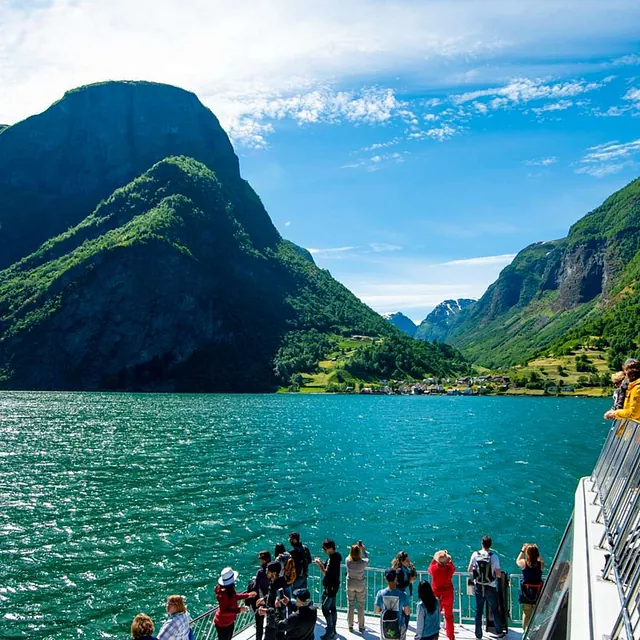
631,408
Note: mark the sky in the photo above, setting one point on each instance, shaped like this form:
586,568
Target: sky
413,146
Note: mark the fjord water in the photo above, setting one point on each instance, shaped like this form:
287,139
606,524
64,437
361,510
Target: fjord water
110,502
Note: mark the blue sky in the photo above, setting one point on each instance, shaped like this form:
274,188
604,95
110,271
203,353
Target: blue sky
413,146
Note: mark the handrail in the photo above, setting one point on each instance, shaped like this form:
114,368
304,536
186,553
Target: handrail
464,604
616,481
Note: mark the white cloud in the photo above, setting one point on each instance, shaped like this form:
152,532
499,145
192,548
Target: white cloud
562,105
633,95
379,247
608,158
375,162
503,260
287,223
254,61
440,134
524,90
332,252
541,162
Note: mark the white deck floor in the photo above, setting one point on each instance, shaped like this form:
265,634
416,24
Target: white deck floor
372,631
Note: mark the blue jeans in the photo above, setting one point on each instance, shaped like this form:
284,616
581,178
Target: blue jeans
489,594
330,613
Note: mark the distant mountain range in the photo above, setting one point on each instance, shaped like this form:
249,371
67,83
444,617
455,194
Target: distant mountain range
437,324
555,294
402,322
134,256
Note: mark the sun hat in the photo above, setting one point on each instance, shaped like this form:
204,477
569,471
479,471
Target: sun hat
227,577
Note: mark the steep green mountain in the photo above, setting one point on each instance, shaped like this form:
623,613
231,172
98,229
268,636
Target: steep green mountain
177,279
57,166
402,322
438,323
583,285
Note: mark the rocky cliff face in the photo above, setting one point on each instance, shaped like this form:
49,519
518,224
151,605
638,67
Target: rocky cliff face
56,167
437,324
552,286
402,322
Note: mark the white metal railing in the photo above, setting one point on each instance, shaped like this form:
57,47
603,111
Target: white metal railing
464,604
616,480
204,629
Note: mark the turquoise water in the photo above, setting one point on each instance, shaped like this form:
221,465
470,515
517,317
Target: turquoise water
110,502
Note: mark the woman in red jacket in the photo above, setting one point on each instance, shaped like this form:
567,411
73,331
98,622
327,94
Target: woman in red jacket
228,609
442,570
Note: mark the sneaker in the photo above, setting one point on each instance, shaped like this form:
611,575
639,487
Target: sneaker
362,629
350,629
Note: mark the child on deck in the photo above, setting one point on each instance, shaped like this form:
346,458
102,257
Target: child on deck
442,570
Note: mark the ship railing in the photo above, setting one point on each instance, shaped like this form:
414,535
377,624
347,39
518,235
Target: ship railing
464,604
616,481
204,629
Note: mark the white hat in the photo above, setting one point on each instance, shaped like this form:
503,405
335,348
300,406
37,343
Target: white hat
227,576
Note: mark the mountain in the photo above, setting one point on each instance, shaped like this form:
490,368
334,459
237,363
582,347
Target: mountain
583,286
400,321
438,323
137,258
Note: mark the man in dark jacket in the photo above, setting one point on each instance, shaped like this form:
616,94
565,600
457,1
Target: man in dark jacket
272,606
331,583
261,587
302,558
301,624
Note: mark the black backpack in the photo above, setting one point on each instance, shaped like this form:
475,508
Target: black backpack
302,557
390,620
484,573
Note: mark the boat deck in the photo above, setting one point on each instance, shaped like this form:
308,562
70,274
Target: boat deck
372,630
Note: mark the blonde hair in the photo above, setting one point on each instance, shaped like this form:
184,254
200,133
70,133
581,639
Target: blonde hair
619,376
443,554
142,626
178,601
354,552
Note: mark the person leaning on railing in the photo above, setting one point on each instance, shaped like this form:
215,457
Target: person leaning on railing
177,626
228,609
532,565
631,408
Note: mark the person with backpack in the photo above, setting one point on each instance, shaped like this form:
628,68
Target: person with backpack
427,613
485,566
331,584
302,559
393,606
442,570
532,565
288,568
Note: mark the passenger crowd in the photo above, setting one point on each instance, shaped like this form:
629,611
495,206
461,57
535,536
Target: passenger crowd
281,602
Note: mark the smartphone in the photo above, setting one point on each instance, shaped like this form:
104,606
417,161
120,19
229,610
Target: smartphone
360,543
280,594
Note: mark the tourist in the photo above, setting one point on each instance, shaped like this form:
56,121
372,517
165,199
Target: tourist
406,571
532,565
301,624
302,558
356,562
177,626
142,627
270,605
427,613
261,587
288,571
631,408
620,383
331,584
228,609
393,606
442,570
485,566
